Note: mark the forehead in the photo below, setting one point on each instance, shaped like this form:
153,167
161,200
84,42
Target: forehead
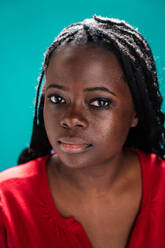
79,66
76,57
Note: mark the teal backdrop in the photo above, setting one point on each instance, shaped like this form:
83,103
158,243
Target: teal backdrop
28,28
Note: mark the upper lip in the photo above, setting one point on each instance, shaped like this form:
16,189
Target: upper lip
73,141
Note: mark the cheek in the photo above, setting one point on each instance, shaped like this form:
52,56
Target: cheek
50,124
114,129
50,115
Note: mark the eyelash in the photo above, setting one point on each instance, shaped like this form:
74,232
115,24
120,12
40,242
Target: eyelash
101,99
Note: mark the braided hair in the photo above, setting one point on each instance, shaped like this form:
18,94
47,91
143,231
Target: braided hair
136,59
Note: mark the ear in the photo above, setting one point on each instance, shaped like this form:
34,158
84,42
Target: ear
135,120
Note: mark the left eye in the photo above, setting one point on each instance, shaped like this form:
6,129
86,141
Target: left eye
100,103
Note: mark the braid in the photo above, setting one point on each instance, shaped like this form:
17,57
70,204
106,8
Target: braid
39,145
136,59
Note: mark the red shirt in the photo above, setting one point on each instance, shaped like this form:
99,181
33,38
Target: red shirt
29,218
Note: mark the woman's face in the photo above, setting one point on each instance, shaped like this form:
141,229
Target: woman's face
87,104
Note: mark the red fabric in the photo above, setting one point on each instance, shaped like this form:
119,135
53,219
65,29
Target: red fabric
29,218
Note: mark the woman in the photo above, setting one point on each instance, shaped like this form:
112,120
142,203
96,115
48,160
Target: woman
100,111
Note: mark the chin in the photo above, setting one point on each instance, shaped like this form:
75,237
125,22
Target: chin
75,160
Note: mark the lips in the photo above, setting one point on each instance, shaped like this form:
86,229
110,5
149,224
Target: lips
73,141
73,144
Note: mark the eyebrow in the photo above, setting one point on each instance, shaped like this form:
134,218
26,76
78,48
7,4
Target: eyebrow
86,89
57,86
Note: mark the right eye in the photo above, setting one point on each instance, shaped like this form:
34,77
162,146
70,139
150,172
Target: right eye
56,99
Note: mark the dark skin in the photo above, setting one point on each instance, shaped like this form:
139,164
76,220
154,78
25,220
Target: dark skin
103,182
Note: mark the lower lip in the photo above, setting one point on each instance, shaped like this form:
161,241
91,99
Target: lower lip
70,148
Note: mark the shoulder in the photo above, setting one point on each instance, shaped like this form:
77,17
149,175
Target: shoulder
152,170
21,173
19,187
152,166
153,175
151,161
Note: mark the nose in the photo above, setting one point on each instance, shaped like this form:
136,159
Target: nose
73,119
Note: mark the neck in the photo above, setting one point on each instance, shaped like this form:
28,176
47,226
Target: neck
94,180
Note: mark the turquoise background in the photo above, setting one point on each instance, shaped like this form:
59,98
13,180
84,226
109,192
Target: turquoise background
28,28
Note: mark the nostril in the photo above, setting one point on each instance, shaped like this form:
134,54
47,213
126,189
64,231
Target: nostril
64,125
73,121
79,125
70,125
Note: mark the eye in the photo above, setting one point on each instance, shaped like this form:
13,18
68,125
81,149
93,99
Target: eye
100,103
56,99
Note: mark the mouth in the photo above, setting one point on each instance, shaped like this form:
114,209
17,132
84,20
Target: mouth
73,145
